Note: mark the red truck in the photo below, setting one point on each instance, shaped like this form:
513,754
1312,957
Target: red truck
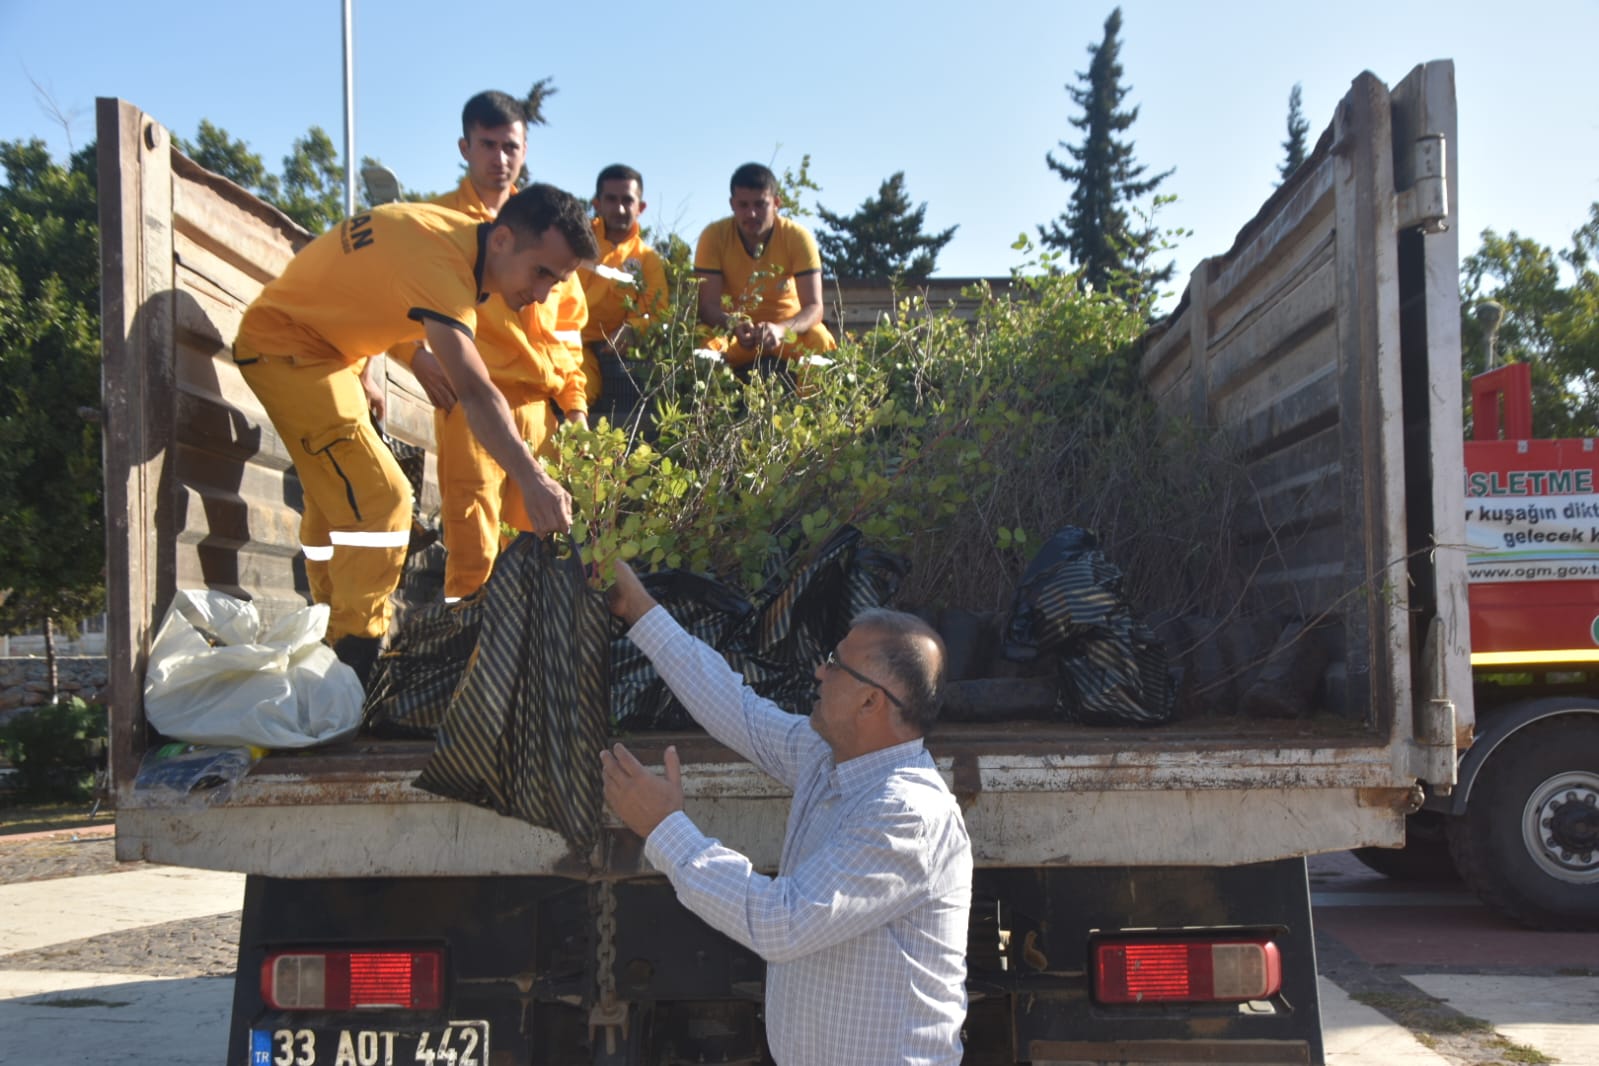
1521,825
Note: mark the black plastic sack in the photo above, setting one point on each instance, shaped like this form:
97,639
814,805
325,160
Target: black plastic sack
774,643
1112,668
412,682
800,618
707,609
523,733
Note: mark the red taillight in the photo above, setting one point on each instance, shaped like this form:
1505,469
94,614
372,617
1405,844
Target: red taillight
353,980
1186,971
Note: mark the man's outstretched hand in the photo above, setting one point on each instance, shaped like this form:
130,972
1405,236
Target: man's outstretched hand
637,796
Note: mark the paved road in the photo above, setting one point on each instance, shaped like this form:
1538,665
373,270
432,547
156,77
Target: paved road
96,969
1468,985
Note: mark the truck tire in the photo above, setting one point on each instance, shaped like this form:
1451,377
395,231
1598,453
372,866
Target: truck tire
1425,856
1528,844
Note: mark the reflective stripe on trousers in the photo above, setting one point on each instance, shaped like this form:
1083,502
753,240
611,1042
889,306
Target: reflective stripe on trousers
356,496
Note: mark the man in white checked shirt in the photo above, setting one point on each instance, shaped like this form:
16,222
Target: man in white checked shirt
864,927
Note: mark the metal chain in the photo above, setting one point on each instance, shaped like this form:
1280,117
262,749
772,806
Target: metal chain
607,1013
606,954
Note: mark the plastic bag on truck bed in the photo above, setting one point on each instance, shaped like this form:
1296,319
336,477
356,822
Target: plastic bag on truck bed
1111,667
180,771
774,642
215,678
798,620
523,732
707,609
412,682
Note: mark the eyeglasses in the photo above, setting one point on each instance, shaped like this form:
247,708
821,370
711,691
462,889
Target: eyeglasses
833,660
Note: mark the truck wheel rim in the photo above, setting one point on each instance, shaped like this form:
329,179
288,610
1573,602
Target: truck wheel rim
1560,827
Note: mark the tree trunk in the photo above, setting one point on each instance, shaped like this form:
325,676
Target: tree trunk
51,672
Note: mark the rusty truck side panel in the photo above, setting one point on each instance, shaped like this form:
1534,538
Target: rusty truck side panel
199,490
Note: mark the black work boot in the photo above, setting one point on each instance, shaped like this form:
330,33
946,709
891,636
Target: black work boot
359,654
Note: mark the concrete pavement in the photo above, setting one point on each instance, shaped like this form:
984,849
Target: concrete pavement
77,1018
1354,1034
73,1017
37,914
89,1019
1557,1015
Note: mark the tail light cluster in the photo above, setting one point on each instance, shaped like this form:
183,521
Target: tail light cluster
1186,971
353,980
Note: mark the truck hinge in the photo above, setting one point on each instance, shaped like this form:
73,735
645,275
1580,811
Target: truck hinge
1433,756
1425,205
1432,752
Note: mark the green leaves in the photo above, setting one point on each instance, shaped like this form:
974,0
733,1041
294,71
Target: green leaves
883,238
958,444
1111,247
52,540
1542,321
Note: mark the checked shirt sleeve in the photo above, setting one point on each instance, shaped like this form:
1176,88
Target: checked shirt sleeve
871,871
778,742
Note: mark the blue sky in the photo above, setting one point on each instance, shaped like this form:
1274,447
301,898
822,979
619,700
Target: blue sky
966,99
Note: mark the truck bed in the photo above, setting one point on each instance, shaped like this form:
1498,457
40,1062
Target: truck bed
1222,791
1321,341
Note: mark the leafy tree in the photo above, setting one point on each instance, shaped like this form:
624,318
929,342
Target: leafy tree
311,189
794,184
214,149
1109,249
883,238
313,182
52,538
1551,325
1298,126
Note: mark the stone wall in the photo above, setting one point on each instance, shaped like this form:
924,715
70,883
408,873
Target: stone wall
24,681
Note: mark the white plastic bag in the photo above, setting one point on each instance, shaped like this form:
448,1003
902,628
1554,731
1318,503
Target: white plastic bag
280,689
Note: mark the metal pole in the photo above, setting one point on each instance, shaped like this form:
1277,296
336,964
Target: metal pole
349,115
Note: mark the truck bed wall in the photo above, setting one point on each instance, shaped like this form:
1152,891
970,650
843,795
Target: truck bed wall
1291,341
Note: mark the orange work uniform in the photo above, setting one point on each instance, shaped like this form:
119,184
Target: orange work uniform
772,297
609,296
362,287
533,356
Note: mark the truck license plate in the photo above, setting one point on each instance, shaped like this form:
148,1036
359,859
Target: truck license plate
455,1044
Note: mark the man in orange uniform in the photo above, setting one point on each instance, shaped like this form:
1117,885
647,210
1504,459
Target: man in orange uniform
398,273
768,269
626,289
533,355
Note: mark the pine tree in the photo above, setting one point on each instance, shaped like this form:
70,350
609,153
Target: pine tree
1094,229
883,238
1294,146
542,90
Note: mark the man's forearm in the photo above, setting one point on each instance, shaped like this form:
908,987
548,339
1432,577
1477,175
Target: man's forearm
717,697
807,317
710,300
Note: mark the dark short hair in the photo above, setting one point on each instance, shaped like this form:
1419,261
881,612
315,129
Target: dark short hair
490,109
753,176
910,653
617,172
539,207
